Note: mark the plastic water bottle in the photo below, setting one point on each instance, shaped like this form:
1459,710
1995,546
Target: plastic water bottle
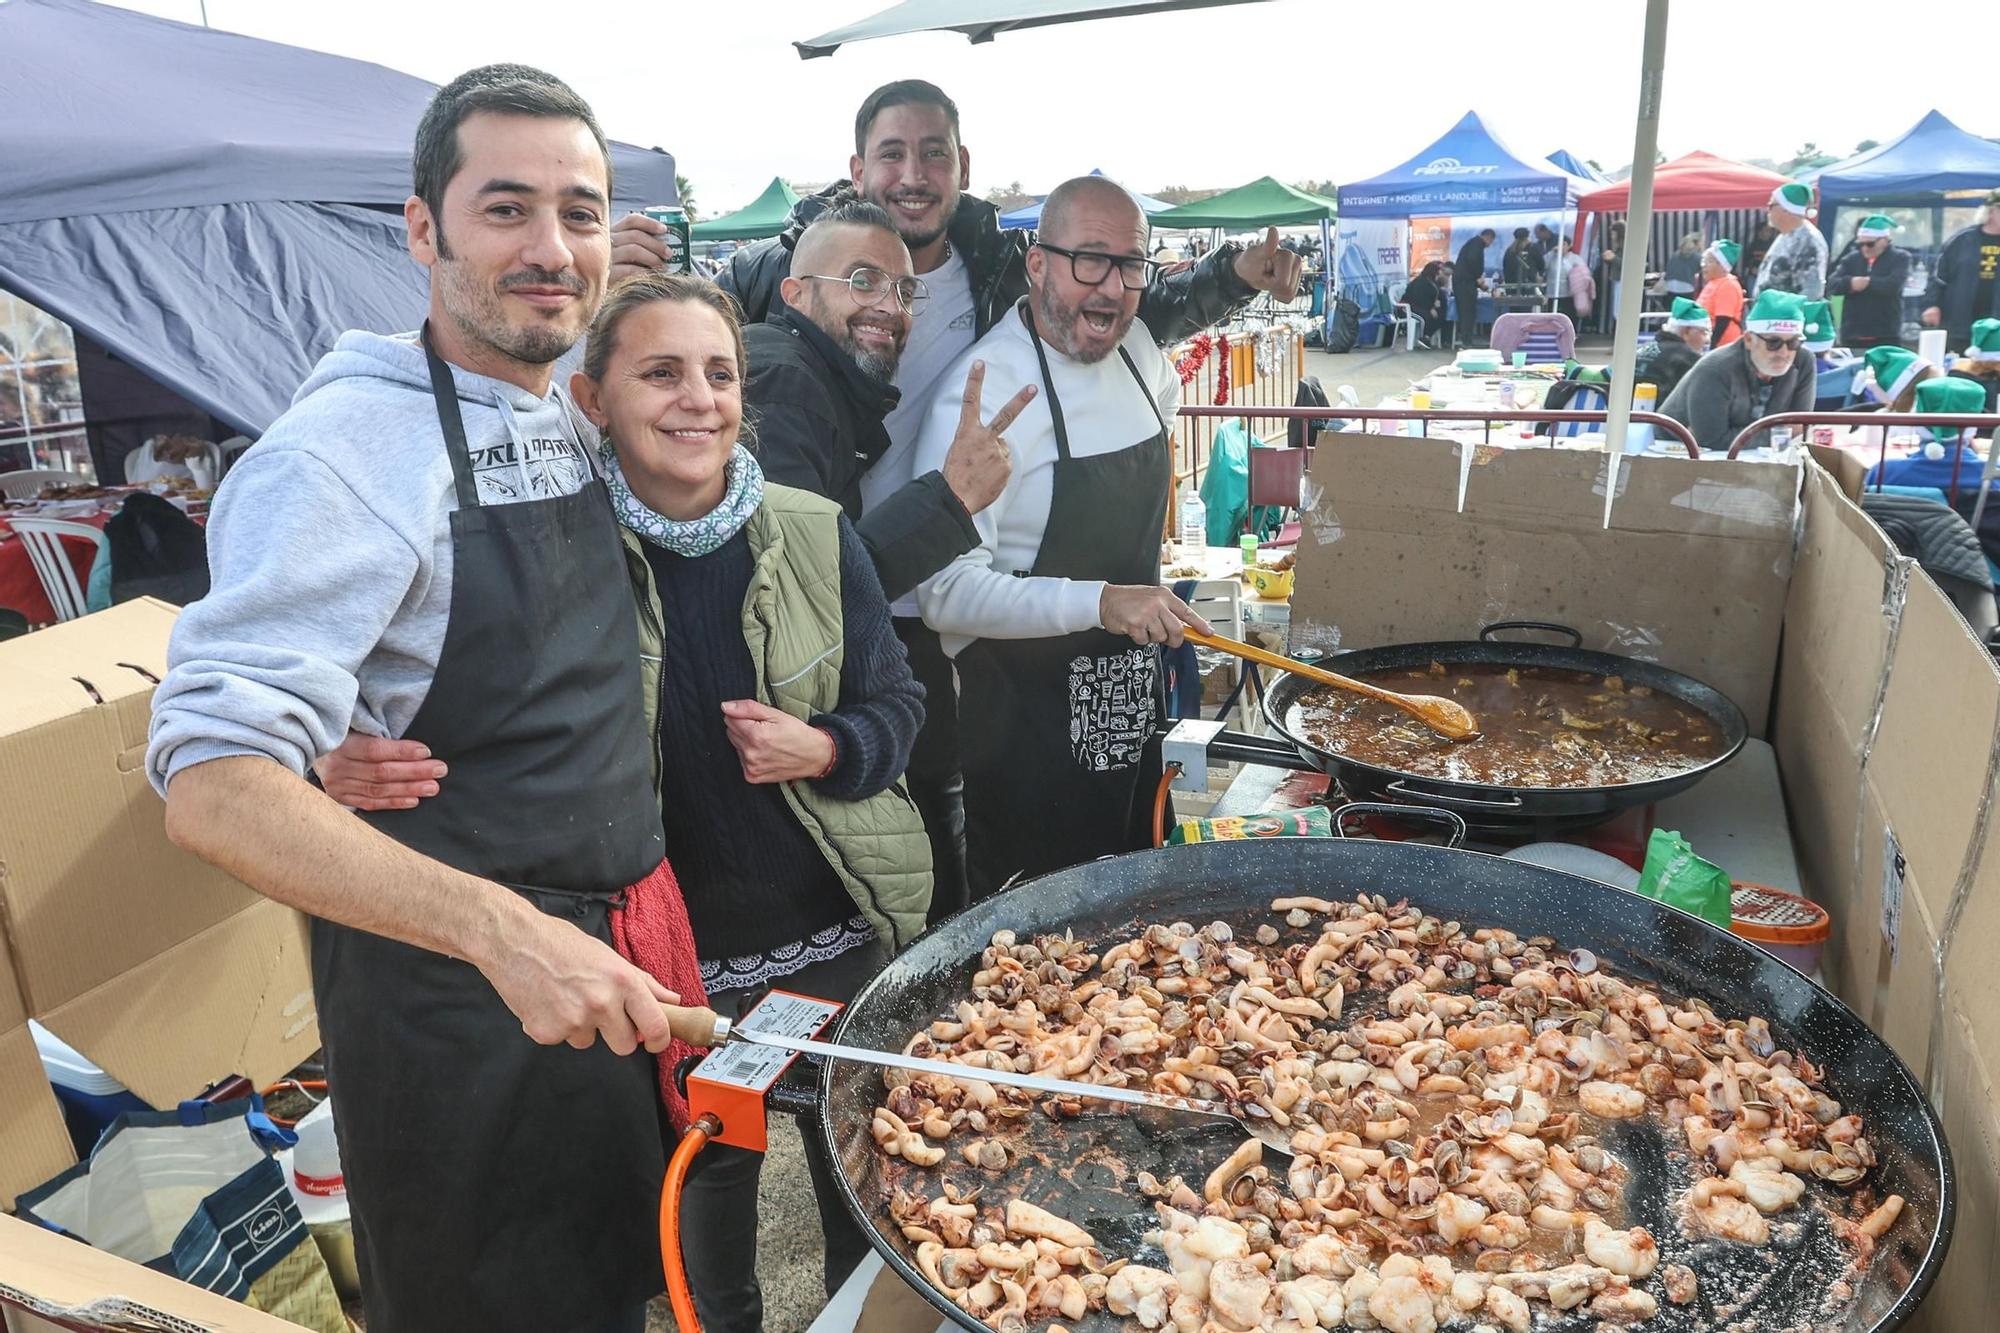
1194,522
1639,434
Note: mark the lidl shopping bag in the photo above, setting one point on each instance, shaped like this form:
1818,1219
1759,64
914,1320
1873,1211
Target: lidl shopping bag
195,1194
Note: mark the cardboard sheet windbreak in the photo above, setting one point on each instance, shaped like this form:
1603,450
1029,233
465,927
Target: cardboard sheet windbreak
164,971
1691,573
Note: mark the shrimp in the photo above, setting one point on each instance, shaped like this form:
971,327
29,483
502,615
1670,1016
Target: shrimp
1717,1207
1611,1101
1767,1189
1144,1293
1401,1305
1632,1253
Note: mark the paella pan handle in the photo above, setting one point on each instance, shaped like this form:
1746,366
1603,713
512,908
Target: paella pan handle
1544,626
1399,788
1454,824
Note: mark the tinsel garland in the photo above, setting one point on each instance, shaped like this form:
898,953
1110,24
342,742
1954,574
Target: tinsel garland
1191,361
1222,370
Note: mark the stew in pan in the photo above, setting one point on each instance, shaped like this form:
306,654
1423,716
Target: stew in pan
1540,727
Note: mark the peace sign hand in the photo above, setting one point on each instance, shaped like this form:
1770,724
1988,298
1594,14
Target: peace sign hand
979,463
1269,267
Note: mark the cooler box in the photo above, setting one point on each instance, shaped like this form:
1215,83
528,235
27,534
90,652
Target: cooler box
90,1098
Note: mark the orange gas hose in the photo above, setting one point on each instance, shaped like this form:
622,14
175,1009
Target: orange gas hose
1173,771
679,1296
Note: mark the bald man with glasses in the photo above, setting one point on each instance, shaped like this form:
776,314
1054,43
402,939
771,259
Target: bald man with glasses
821,384
1054,621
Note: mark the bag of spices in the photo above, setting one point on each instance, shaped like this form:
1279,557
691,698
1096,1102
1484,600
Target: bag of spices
1674,875
1314,821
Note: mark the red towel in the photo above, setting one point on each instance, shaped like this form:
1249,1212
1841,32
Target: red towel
652,932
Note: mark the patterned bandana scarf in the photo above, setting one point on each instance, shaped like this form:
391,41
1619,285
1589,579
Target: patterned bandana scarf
697,536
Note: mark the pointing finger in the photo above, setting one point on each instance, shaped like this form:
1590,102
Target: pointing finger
1015,406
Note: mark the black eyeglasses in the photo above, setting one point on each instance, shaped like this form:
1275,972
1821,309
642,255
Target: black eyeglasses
1779,344
1091,267
869,285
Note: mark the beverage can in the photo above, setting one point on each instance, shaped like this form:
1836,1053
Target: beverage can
1249,547
679,238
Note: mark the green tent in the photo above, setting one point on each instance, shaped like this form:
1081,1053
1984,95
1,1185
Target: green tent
1261,203
766,216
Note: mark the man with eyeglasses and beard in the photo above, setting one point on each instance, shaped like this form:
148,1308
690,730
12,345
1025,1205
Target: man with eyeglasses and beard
1758,376
910,161
821,381
1053,621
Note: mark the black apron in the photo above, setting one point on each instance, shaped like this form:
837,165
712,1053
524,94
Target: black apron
498,1184
1060,736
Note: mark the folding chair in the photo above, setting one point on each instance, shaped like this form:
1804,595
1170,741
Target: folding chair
1276,476
1408,323
44,539
28,483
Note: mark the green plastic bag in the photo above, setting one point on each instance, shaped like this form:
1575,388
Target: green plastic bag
1677,877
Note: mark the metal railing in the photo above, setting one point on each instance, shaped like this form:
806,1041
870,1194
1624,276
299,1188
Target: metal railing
1429,414
1975,419
1989,420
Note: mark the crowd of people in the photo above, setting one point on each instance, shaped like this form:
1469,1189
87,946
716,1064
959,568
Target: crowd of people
821,598
1756,367
1725,355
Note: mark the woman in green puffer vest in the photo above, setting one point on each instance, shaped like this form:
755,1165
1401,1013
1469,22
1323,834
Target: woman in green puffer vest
782,709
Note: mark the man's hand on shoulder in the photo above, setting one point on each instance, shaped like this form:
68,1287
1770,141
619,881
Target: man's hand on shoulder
638,245
1269,267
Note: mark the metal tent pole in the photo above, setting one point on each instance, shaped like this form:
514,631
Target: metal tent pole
1638,231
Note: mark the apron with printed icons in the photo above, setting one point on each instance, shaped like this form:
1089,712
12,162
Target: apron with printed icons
1059,736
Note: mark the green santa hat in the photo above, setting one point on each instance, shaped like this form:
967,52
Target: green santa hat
1819,326
1794,197
1726,253
1687,314
1874,227
1777,315
1950,394
1894,369
1985,341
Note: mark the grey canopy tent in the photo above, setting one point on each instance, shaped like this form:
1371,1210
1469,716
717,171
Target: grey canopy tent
209,208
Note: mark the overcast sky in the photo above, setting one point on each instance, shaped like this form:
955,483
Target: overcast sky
1297,89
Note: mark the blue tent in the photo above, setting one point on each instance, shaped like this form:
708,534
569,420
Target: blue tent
1030,215
210,208
1931,158
1468,170
1569,162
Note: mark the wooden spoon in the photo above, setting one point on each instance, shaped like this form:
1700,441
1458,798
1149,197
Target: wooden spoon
1447,717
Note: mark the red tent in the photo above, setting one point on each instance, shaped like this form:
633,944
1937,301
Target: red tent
1699,180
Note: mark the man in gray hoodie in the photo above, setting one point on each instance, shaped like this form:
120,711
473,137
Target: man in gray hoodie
422,544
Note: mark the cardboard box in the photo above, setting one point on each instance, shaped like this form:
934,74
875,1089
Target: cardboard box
1411,539
85,1288
1883,709
164,971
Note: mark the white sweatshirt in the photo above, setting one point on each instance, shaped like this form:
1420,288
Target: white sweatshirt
981,595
